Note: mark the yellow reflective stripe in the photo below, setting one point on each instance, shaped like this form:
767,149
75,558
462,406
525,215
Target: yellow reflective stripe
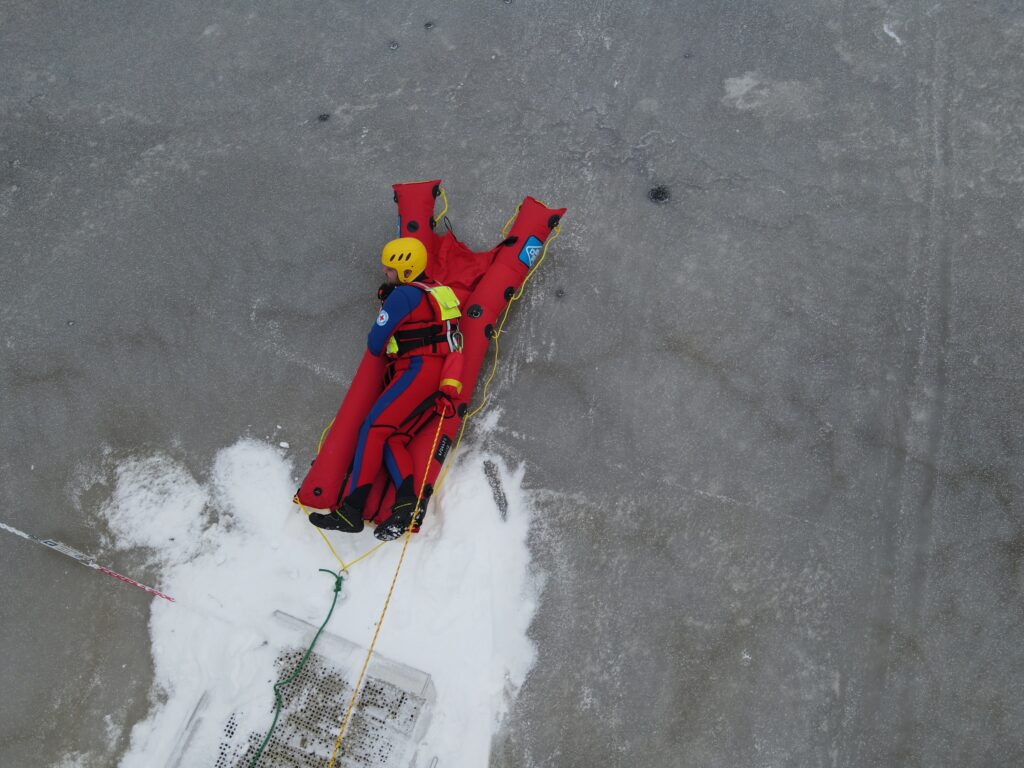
445,298
392,348
455,383
447,302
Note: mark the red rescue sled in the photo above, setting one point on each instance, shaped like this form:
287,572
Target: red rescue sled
485,283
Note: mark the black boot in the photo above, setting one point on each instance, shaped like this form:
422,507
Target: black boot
401,513
348,518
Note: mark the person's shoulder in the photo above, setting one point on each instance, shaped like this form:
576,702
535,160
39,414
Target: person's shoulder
406,296
410,289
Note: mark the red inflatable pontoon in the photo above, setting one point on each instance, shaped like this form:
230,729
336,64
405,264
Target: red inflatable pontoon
485,283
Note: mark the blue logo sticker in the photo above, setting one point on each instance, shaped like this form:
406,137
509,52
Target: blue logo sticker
531,251
382,318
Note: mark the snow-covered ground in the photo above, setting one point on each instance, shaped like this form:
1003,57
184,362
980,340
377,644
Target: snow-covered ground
234,549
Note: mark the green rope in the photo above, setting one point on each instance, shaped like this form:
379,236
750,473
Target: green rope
338,579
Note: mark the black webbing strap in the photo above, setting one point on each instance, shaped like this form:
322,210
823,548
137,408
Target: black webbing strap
430,336
419,333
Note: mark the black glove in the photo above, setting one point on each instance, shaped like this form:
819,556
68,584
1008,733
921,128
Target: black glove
384,291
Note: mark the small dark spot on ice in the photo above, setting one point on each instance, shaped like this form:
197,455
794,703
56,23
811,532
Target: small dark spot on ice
687,55
659,194
559,293
429,25
393,45
323,117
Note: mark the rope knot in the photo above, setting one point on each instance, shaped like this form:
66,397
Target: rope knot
338,579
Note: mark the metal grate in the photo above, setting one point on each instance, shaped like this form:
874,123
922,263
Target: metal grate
378,735
389,719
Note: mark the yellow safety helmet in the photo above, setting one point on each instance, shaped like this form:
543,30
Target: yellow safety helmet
407,256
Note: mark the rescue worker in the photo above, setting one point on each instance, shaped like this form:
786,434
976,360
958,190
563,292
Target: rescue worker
417,328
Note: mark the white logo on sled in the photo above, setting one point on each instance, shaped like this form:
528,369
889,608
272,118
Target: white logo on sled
531,252
382,318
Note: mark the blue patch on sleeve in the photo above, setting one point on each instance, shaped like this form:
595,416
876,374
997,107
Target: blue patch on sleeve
531,251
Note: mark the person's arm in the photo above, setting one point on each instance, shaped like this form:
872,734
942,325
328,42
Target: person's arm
402,301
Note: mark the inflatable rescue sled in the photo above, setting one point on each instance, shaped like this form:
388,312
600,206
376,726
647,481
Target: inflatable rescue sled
485,283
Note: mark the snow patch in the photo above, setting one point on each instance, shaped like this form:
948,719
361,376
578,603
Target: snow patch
73,760
234,549
156,504
788,99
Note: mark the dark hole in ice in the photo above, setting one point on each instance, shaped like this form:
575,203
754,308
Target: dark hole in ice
559,293
323,117
393,45
659,194
429,25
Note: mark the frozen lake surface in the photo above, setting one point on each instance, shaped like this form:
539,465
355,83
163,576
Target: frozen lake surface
763,397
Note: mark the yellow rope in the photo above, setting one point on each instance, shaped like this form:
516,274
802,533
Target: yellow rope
504,317
508,224
419,497
324,537
323,436
534,268
444,199
455,450
387,603
487,383
483,402
367,554
344,566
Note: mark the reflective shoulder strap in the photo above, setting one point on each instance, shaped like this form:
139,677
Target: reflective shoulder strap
445,298
447,302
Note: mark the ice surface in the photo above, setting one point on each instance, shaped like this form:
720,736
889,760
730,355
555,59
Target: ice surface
785,402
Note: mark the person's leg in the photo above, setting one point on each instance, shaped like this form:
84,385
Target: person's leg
392,407
397,458
401,467
415,379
